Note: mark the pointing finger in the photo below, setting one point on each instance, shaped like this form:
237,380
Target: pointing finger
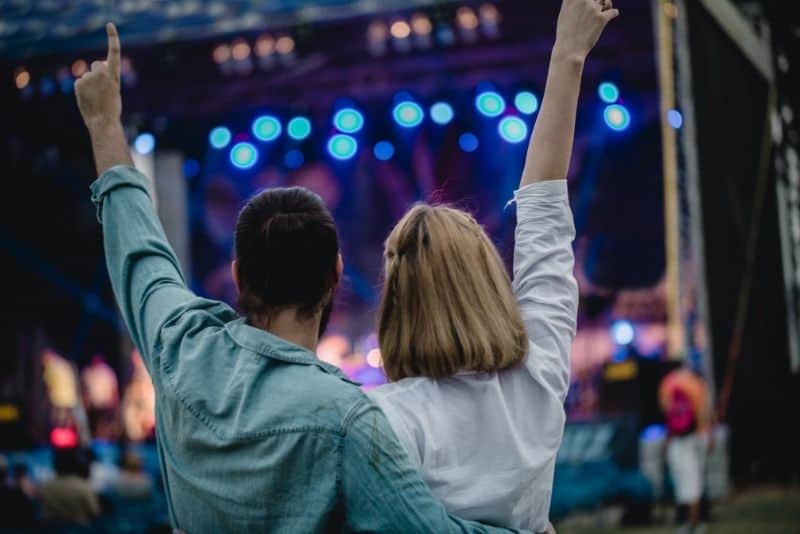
113,49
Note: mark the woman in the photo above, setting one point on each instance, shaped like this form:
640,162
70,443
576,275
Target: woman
479,370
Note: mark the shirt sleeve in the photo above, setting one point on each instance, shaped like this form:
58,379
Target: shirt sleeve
544,284
144,271
382,491
399,426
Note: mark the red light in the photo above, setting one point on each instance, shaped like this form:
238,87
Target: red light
63,438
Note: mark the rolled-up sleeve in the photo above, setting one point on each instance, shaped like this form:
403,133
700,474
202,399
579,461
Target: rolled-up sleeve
144,271
544,283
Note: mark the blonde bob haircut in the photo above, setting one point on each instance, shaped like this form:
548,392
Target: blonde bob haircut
447,304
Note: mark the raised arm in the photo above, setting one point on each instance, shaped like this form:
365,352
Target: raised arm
580,24
544,284
145,274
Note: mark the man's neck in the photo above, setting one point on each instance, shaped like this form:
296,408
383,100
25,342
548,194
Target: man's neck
286,325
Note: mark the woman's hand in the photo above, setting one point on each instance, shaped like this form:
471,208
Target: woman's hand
580,24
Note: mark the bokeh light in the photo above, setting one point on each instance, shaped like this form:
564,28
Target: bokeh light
468,142
144,143
244,155
299,128
442,113
408,114
526,102
342,146
490,104
348,120
617,117
383,150
513,129
675,118
219,137
609,92
266,128
622,332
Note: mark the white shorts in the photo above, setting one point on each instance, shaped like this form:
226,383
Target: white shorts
686,457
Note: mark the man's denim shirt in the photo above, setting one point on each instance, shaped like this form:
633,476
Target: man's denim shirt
254,433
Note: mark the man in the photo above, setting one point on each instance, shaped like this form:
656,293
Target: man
254,432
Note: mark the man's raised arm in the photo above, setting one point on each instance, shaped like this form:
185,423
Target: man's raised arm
580,24
145,274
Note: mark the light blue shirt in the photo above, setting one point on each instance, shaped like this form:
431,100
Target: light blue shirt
254,433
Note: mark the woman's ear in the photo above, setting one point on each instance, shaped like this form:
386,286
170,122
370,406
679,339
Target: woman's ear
339,268
235,274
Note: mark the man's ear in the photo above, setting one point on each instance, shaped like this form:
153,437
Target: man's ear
339,268
235,274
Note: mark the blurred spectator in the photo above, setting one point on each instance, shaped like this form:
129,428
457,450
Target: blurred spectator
133,482
16,508
684,400
68,499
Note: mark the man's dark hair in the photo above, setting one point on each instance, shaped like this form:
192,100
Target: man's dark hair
286,249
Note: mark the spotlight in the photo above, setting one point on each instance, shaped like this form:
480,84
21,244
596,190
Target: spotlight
240,50
244,155
609,93
221,53
266,128
299,128
526,102
293,159
622,332
408,114
490,104
675,118
383,150
342,147
219,137
513,129
265,45
144,143
22,78
285,45
348,120
468,142
466,18
421,24
400,29
442,113
617,117
79,68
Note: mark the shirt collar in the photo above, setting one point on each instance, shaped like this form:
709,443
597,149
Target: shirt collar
272,346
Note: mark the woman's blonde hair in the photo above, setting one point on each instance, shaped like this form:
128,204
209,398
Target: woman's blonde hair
447,304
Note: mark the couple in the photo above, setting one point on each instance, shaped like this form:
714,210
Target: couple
255,433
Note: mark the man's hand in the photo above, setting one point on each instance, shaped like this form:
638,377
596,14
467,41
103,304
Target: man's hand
97,91
580,24
100,103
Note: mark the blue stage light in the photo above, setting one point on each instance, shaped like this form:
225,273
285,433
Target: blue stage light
617,117
609,92
342,147
299,128
293,159
675,118
468,142
622,332
244,155
191,168
490,103
513,129
266,128
383,150
526,102
408,114
348,120
219,137
442,113
144,143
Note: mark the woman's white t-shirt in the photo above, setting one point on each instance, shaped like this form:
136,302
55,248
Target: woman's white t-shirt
486,443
